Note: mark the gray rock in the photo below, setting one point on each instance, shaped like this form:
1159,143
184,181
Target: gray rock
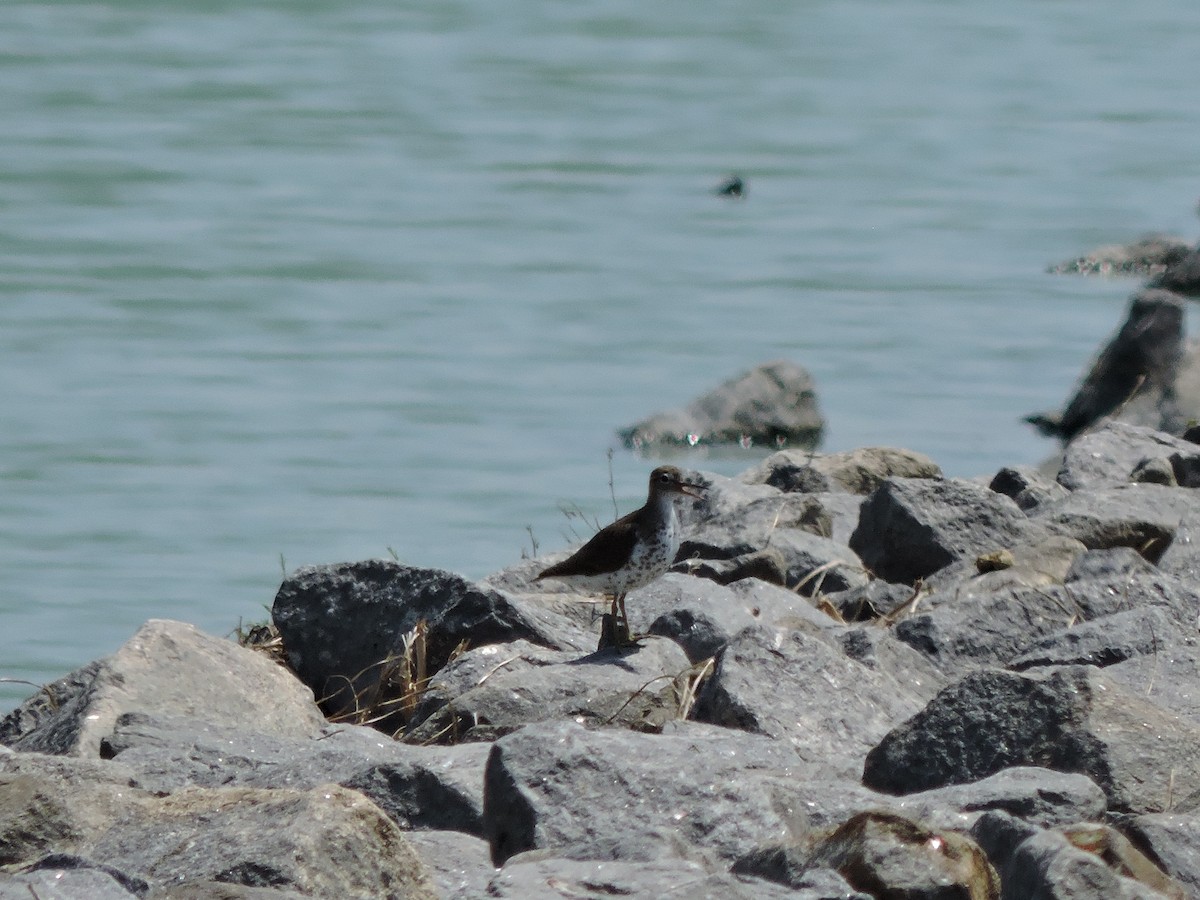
1027,487
340,622
1101,642
635,687
999,834
1169,676
694,792
1072,719
1133,379
871,601
535,877
417,787
858,471
1039,797
1173,841
910,528
772,404
701,616
460,864
788,864
891,856
1148,255
1047,866
1141,516
63,884
330,842
1182,557
166,667
1108,454
782,683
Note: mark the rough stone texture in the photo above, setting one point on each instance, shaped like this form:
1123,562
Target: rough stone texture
1168,677
1047,866
855,471
1108,454
773,404
459,864
168,667
1073,719
535,878
887,855
1040,797
1027,487
1172,841
701,616
967,628
1101,642
329,842
779,683
1150,254
1133,379
694,791
417,787
52,804
910,528
63,884
339,622
637,687
1142,516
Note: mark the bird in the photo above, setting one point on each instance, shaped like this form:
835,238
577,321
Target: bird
734,186
632,551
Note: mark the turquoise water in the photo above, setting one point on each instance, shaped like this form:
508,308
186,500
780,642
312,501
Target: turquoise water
293,283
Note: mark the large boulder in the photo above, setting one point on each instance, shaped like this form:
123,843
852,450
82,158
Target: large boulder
342,625
772,405
170,668
910,528
1073,719
1148,255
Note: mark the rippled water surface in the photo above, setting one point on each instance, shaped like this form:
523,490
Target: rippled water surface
292,283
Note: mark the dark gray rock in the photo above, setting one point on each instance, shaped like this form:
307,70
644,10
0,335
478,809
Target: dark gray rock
1172,841
636,687
1141,516
340,622
781,683
772,405
858,471
170,668
535,877
1027,487
694,791
1108,454
871,601
1182,557
417,787
1134,377
1073,719
1151,254
910,528
999,834
1048,866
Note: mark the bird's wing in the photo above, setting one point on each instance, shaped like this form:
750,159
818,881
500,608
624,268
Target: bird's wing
606,552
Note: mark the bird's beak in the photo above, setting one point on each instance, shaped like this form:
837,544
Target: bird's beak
693,490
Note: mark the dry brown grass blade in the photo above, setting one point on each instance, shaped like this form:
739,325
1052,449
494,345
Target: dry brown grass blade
698,672
907,606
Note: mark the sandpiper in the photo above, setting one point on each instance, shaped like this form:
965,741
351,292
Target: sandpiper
632,551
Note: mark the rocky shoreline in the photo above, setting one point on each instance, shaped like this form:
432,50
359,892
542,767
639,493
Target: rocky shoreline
862,679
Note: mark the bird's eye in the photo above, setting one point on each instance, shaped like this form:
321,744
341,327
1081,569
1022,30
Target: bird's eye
664,478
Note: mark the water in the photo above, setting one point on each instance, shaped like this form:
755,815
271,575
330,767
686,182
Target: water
292,283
